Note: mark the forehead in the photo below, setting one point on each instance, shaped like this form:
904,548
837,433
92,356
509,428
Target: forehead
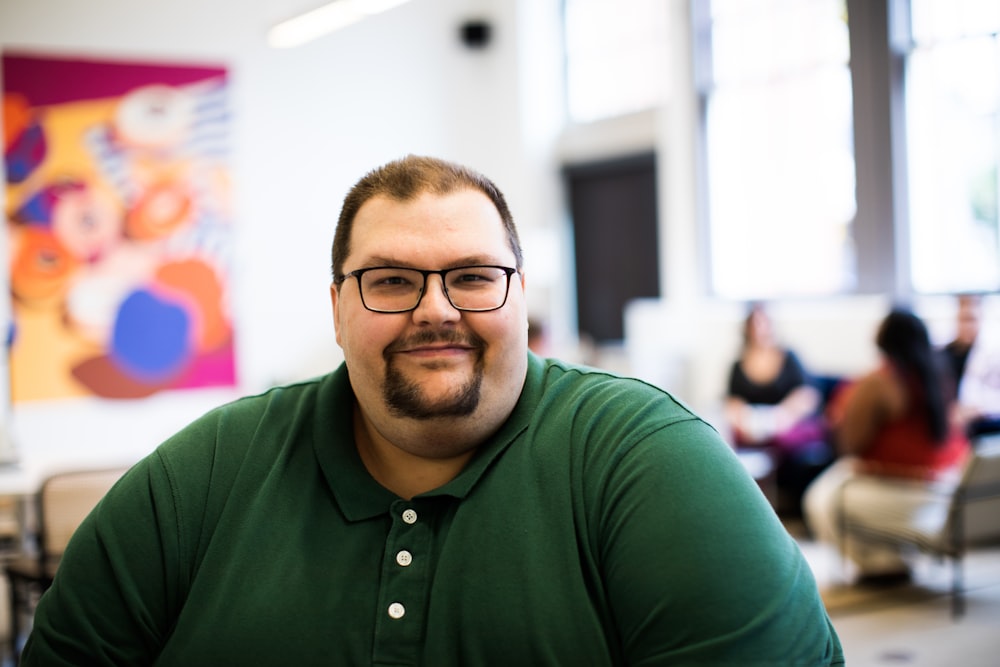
430,230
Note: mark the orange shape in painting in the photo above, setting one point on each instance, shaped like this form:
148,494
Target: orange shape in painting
198,284
41,265
16,117
161,209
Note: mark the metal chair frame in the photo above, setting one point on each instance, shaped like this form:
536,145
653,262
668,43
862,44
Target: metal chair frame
980,482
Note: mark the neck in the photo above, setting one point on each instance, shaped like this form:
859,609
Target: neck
403,472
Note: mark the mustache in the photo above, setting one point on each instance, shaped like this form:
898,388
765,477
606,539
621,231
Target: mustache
422,338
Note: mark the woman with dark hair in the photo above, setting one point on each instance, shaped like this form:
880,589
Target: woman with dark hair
772,406
901,444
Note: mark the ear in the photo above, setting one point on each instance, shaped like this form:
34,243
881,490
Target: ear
335,303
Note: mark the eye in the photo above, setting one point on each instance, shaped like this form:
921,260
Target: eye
472,276
392,279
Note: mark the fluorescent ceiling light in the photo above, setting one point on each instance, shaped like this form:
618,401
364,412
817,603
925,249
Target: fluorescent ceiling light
324,20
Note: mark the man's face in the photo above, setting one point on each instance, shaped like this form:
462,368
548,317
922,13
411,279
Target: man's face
434,362
968,320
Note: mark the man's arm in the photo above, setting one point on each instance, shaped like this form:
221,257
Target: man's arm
698,567
123,578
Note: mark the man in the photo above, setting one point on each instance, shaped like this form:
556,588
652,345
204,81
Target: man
975,366
443,498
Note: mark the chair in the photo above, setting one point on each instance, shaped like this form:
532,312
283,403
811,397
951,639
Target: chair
61,504
971,516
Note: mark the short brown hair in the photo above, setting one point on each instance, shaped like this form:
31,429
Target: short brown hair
407,178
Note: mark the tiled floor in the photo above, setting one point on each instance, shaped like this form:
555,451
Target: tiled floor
912,625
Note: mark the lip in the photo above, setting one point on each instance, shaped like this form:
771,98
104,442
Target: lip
437,350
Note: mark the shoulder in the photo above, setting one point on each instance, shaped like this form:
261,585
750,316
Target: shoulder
575,386
881,387
254,424
247,412
792,362
592,409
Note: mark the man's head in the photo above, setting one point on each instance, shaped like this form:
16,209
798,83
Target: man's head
968,316
442,371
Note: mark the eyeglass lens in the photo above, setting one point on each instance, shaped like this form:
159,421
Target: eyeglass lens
468,288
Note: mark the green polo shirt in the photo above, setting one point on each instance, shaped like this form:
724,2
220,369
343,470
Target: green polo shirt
604,524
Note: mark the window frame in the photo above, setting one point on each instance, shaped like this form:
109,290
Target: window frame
879,228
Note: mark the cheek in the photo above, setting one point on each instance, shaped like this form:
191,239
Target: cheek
506,336
363,337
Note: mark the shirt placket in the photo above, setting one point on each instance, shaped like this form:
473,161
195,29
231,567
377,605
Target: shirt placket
404,586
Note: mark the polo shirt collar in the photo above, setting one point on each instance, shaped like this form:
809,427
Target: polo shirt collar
355,491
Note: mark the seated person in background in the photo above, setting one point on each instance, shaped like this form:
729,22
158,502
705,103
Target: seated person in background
901,445
975,367
771,404
538,337
444,497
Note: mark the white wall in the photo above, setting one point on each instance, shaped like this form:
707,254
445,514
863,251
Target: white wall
308,123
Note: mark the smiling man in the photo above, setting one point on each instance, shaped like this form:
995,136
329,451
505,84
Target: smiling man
443,498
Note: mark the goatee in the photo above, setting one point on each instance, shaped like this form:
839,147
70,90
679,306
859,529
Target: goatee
406,398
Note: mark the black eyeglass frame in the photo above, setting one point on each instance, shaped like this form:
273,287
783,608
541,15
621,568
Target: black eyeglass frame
357,273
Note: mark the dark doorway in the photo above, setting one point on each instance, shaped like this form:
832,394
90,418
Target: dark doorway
613,206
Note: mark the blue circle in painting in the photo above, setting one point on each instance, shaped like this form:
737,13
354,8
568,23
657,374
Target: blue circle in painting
151,337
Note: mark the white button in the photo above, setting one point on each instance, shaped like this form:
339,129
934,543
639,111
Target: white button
396,610
404,558
410,516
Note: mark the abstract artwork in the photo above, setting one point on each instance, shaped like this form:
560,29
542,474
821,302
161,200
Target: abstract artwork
119,226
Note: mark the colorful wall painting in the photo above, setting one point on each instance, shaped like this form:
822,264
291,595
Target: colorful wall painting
119,226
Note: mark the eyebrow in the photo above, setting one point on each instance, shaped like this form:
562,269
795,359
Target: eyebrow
470,260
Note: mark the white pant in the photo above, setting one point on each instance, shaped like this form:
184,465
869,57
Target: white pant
884,503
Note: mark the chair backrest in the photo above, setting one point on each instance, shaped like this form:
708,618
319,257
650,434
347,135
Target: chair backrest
65,500
979,491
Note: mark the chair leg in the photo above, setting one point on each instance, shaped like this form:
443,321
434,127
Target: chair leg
15,612
957,588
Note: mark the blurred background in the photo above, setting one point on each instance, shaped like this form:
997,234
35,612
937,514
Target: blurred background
666,161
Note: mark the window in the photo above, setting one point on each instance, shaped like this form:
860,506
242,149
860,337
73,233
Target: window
615,57
953,128
775,83
845,146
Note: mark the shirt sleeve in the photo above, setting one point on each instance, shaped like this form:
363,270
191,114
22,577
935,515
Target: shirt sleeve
699,569
121,580
796,371
735,384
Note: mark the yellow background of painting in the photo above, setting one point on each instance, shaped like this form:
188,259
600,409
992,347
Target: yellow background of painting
45,349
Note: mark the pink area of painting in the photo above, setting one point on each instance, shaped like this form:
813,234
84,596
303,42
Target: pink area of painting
216,368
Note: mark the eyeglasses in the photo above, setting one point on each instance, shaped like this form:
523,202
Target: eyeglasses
392,289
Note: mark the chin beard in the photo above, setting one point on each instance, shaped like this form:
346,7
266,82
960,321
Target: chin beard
406,398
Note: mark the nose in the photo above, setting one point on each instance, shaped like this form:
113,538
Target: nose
434,305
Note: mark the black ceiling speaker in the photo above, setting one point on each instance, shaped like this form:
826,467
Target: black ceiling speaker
476,33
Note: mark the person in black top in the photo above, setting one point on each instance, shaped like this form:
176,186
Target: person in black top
772,405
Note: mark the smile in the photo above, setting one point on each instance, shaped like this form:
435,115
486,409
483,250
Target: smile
437,350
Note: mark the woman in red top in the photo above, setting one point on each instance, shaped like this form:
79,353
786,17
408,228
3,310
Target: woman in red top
902,445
